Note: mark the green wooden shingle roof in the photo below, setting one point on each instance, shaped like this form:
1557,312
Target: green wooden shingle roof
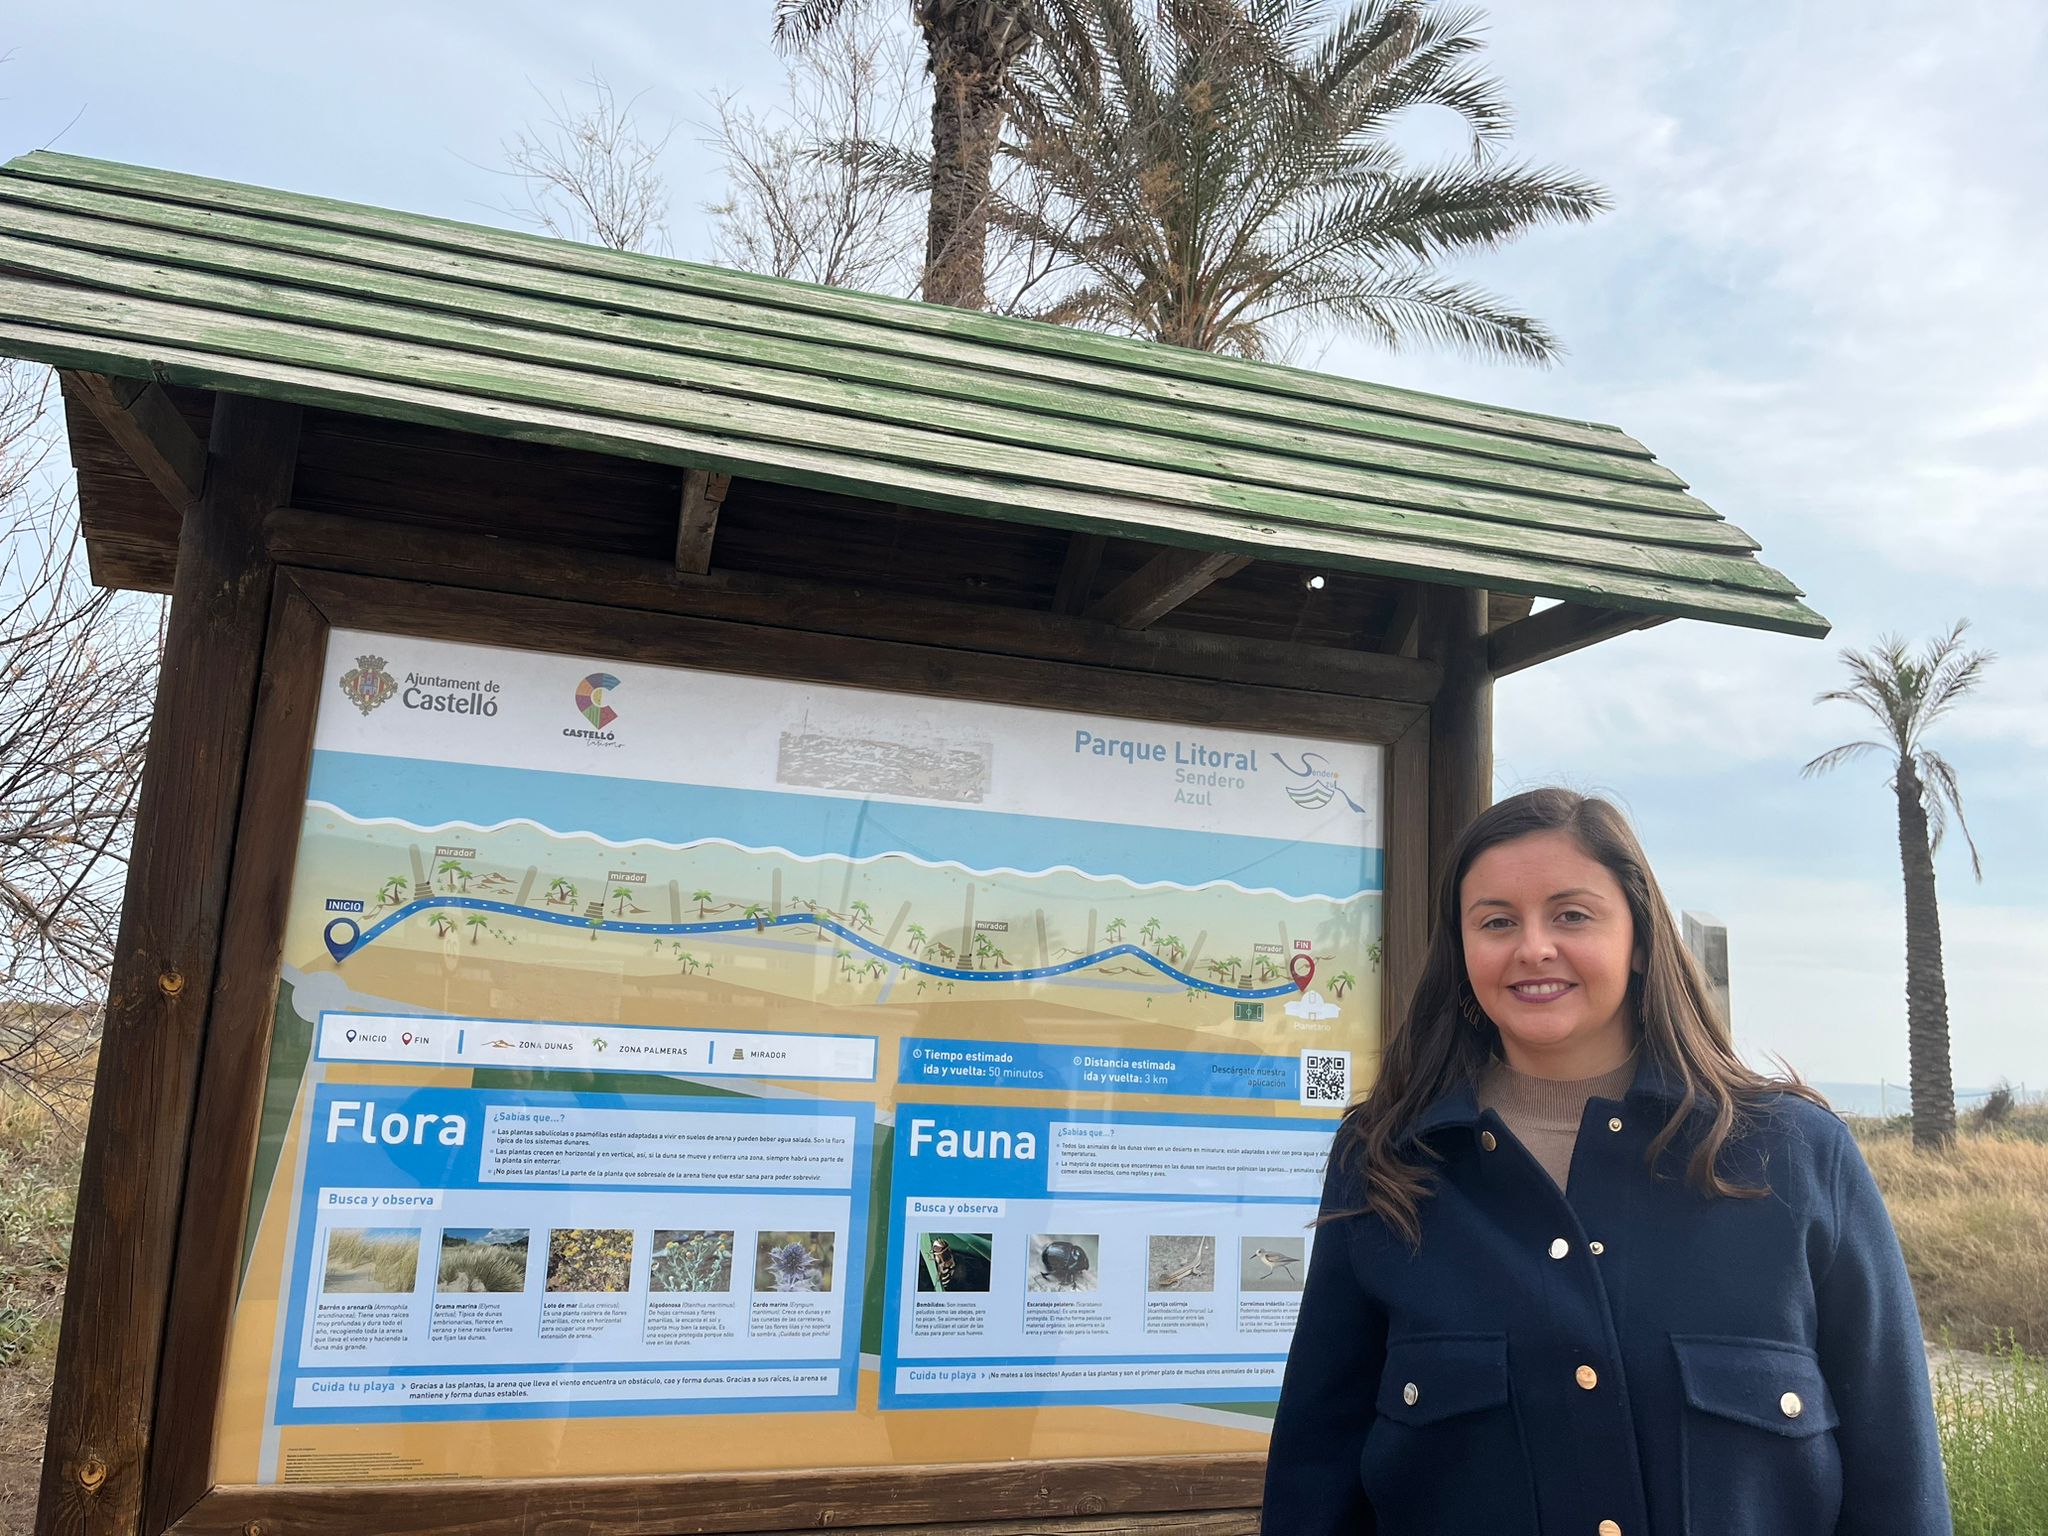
149,274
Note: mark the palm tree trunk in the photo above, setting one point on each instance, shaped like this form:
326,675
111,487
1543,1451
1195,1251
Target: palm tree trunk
1933,1082
971,44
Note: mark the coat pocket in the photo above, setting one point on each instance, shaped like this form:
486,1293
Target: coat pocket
1445,1452
1759,1448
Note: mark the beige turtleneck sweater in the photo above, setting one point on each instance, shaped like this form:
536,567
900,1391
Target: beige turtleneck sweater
1544,1113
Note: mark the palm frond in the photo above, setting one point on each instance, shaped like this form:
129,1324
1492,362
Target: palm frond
1834,757
798,21
1944,788
1214,171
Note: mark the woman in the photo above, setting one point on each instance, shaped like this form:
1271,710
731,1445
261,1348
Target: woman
1581,1272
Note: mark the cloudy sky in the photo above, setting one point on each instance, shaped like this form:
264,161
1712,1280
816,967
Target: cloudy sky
1818,299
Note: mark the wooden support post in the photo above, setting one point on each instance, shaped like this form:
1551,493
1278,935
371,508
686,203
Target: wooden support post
1558,632
1398,639
1409,902
703,494
139,417
1077,574
104,1401
1162,584
1452,633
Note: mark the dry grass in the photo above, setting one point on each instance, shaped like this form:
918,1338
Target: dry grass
38,1189
1974,1225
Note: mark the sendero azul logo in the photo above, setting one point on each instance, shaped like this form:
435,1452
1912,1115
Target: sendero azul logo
1315,783
593,703
367,684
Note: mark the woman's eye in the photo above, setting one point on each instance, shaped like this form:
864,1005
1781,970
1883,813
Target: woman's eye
1575,917
1495,924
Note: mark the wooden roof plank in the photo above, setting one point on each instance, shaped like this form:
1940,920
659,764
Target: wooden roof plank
261,298
907,315
281,254
973,495
154,322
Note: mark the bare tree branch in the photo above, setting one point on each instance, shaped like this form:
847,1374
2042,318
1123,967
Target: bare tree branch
590,173
77,677
795,204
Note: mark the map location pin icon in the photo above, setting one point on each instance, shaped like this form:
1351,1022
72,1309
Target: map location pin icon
342,946
1303,969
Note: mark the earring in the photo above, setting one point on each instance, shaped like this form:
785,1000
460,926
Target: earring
1468,1005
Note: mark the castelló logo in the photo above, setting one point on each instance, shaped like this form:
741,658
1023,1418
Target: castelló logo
591,694
367,684
1315,783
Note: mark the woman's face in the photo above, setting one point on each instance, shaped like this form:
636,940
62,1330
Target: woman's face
1549,944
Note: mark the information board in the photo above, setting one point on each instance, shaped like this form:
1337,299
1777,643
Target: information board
854,1078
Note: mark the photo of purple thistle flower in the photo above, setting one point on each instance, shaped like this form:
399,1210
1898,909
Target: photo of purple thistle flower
794,1261
794,1267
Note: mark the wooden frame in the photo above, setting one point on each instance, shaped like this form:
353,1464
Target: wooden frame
1212,1494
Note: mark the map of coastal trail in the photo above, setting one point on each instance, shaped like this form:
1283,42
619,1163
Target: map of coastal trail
391,901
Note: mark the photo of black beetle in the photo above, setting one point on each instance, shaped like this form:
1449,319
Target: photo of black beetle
1063,1261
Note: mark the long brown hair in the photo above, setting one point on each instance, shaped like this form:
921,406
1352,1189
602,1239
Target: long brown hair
1436,1047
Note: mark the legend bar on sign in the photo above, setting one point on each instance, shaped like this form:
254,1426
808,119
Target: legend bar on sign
445,1042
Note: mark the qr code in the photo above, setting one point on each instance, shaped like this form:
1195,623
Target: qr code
1326,1077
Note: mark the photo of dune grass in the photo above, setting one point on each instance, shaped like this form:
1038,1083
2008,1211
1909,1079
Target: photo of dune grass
482,1259
371,1261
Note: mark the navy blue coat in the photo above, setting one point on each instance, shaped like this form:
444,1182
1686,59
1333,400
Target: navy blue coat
1624,1351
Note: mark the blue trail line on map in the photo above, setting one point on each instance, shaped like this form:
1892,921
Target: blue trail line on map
792,919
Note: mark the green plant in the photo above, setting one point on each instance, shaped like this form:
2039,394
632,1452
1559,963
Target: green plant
1994,1444
1906,695
1218,175
691,1261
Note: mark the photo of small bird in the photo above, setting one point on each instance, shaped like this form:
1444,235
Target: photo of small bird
1271,1263
1276,1261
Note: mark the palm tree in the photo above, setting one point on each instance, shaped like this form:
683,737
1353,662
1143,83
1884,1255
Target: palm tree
1172,948
1907,695
391,890
1220,172
1150,931
477,923
917,936
451,868
863,915
1343,982
703,900
621,895
970,48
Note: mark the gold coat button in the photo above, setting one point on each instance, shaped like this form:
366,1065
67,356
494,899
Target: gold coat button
1614,1125
1410,1393
1586,1377
1559,1248
1486,1140
1609,1528
1598,1248
1790,1406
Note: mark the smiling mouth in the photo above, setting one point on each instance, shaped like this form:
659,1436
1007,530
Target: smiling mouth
1542,992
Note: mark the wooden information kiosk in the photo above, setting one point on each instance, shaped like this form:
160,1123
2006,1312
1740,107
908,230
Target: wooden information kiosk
752,905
